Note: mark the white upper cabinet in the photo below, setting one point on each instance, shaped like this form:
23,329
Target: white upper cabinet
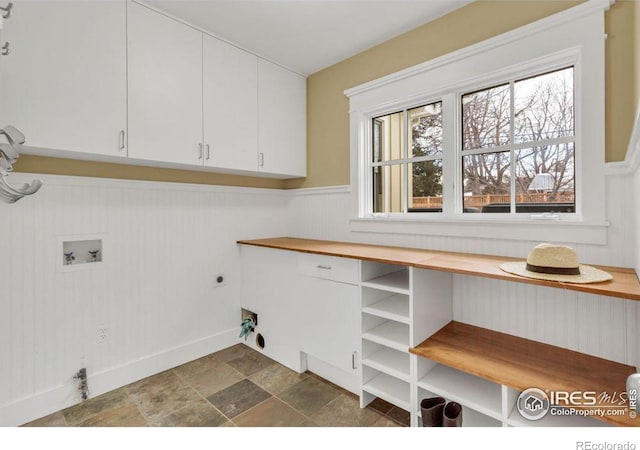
282,112
230,106
116,81
165,88
64,82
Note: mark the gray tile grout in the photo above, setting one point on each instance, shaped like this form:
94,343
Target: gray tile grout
202,395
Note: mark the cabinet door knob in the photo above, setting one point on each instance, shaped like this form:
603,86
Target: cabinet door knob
5,49
208,151
354,357
121,140
200,150
261,159
324,267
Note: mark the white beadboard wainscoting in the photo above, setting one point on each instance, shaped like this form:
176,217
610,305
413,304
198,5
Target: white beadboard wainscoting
318,215
600,326
636,217
163,244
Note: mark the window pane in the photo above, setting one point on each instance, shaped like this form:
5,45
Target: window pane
486,181
425,129
544,106
387,137
485,118
387,189
425,189
545,179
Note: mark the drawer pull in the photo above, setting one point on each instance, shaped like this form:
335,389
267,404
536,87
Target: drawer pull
324,267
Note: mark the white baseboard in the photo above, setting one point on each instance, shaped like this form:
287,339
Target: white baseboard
348,381
48,402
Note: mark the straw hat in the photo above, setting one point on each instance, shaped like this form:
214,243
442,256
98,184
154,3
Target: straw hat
555,263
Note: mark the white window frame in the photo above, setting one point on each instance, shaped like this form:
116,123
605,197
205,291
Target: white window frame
571,38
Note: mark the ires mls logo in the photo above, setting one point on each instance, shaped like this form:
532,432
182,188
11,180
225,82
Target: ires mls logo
533,404
633,388
575,398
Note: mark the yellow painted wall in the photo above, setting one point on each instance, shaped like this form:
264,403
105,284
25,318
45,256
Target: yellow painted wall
637,51
620,74
327,107
59,166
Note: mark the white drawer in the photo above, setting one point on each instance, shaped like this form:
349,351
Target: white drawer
344,270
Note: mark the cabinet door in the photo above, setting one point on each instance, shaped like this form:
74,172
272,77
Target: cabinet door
281,121
230,104
165,88
330,322
64,82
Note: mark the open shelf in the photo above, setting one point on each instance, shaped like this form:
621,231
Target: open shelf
521,363
391,334
474,419
395,307
397,282
391,362
390,389
483,396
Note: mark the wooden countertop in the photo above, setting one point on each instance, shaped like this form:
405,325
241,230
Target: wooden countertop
625,282
521,364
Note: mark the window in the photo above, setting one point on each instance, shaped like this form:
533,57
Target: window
517,150
407,167
496,140
518,146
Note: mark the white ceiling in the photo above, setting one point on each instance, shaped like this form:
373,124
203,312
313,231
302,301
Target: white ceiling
307,35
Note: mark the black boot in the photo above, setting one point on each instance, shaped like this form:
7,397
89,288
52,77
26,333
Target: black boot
452,415
432,411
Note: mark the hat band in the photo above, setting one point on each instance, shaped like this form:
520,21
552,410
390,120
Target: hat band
554,270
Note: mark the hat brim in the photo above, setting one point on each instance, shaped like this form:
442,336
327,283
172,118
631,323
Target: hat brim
587,275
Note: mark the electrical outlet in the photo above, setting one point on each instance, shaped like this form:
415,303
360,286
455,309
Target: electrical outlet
220,279
102,334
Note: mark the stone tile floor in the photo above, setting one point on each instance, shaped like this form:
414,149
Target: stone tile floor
233,387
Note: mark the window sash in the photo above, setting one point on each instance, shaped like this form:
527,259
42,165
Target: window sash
453,153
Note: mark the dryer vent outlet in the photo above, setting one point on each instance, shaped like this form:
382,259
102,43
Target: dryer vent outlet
260,341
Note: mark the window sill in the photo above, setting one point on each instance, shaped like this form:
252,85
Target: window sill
561,231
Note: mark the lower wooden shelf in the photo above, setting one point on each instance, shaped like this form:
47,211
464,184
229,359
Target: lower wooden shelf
521,364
